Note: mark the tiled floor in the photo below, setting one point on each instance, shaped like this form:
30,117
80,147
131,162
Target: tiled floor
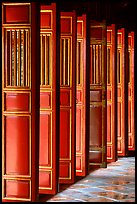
116,183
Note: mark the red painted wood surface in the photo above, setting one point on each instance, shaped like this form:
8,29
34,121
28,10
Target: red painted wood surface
82,98
20,102
131,124
121,93
67,157
111,93
98,94
49,101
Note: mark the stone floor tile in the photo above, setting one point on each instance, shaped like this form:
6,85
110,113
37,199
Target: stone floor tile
116,183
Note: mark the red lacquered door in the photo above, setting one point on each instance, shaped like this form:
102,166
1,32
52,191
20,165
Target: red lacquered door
67,97
20,101
98,91
82,98
122,139
131,124
111,93
49,100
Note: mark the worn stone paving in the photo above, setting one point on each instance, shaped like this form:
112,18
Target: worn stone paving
116,183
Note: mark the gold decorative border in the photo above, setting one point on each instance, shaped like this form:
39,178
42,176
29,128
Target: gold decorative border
81,36
70,145
70,170
3,141
15,4
69,38
17,111
13,28
14,198
48,11
51,173
62,16
51,145
51,57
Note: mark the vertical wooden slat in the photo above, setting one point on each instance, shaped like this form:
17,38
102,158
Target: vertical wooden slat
8,58
61,61
94,67
26,54
19,59
15,58
64,62
97,64
24,58
100,62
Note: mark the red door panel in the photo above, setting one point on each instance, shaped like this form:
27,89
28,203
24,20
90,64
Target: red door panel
111,94
67,97
131,124
82,98
121,93
98,88
20,101
49,101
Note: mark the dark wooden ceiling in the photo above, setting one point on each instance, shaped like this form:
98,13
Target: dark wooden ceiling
121,12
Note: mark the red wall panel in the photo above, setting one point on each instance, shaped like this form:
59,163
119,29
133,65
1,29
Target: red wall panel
122,106
98,94
111,93
49,100
131,78
20,101
67,97
82,96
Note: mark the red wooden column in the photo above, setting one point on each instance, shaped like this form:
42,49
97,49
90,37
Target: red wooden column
121,93
82,98
98,94
131,124
20,101
111,93
49,100
68,97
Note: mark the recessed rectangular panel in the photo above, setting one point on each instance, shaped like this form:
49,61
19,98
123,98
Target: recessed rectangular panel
96,95
45,139
45,179
109,94
79,96
45,99
119,146
95,126
17,189
16,14
65,98
65,133
129,116
109,36
80,28
17,141
46,19
109,123
66,25
96,33
64,169
119,119
78,163
17,101
109,149
78,129
95,156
